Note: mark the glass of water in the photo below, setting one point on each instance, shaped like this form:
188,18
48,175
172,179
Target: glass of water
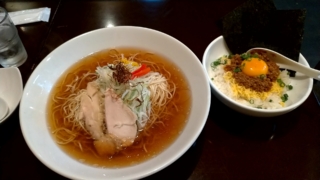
12,51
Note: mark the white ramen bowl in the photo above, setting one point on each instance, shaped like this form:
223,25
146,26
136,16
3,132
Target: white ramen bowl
11,89
35,98
302,85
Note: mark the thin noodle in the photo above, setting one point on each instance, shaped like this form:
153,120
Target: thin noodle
66,105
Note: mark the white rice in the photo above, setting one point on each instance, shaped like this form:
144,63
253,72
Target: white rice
273,101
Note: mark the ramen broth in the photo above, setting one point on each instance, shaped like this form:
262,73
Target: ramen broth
160,135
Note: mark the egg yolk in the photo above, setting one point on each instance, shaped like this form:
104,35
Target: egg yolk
254,67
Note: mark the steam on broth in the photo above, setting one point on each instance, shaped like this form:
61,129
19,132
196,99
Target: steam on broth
150,94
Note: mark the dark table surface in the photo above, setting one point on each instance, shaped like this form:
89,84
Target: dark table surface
231,147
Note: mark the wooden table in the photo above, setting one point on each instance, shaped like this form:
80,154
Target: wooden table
234,146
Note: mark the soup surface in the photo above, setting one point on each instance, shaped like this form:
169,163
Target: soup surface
159,136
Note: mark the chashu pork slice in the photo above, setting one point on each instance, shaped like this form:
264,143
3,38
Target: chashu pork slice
92,112
120,120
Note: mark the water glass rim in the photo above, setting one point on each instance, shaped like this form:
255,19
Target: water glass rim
5,14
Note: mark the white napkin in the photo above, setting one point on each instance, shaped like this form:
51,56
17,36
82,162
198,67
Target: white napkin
30,15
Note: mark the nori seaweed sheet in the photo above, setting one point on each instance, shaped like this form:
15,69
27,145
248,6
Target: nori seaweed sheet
232,24
257,23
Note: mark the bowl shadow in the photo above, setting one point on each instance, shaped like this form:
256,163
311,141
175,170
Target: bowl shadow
249,127
183,167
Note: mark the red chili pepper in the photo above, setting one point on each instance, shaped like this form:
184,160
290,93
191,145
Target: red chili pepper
141,73
143,66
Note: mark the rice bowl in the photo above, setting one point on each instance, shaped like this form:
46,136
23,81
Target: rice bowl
301,83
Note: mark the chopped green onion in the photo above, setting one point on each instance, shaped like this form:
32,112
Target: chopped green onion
284,98
245,56
218,62
262,76
237,69
251,101
281,83
290,87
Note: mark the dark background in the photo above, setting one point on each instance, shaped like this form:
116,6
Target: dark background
232,145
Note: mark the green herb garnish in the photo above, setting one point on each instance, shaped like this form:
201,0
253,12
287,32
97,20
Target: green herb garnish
281,83
246,56
262,76
237,69
289,87
251,101
218,62
270,100
284,98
